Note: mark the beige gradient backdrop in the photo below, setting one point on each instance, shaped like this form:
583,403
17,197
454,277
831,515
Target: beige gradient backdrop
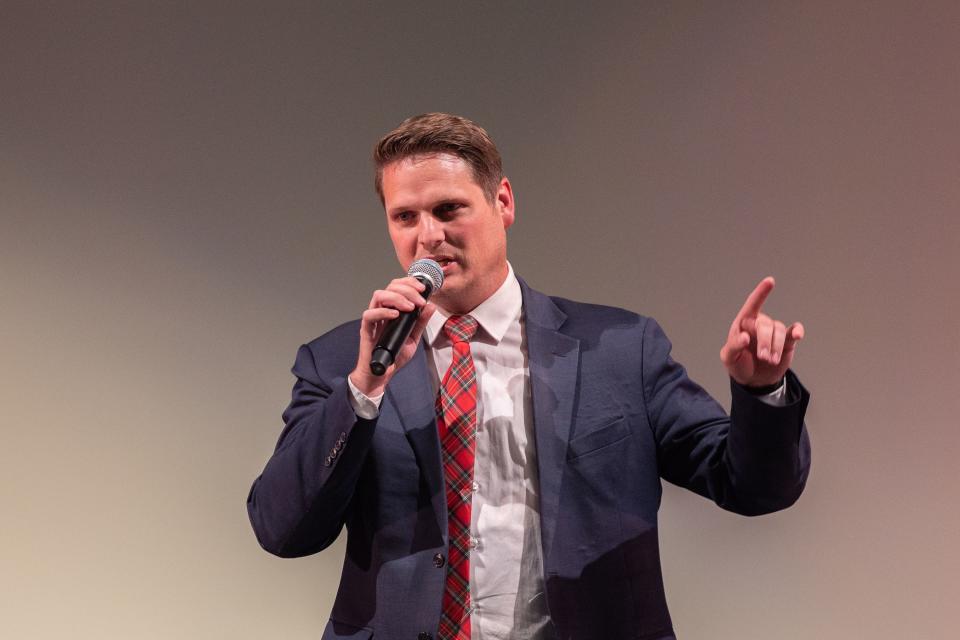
185,198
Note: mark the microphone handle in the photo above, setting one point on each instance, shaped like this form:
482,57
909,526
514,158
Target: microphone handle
396,332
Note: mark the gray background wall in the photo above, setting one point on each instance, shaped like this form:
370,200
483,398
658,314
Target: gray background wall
185,197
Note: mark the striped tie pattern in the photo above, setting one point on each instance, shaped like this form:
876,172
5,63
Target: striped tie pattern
457,423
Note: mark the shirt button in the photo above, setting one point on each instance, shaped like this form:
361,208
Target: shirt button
475,487
438,560
474,542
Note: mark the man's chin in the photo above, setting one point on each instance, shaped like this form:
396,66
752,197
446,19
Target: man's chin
445,296
451,295
452,281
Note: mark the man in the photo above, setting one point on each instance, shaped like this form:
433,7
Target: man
502,479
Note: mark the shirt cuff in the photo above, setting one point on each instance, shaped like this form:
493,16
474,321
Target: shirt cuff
364,406
777,397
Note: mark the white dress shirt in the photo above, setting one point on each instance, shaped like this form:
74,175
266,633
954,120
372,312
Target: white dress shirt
506,564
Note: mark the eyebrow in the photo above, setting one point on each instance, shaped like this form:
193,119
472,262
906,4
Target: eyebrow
437,203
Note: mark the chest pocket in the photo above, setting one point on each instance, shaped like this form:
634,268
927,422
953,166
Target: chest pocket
609,433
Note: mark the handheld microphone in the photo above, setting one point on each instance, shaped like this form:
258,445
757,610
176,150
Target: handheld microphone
430,273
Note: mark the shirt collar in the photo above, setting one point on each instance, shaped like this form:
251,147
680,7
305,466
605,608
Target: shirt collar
494,315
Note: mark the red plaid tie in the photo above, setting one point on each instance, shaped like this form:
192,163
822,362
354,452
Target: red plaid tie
457,422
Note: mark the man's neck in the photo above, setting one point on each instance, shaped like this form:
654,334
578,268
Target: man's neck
461,306
494,314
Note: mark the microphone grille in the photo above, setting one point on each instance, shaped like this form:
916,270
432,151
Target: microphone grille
428,268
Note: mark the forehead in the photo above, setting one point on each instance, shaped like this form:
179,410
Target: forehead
428,178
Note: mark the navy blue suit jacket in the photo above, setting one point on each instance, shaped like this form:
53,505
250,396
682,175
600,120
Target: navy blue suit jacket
613,414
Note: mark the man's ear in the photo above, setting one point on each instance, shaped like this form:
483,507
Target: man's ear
505,203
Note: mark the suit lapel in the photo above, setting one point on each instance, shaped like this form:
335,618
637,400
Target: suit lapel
410,393
554,360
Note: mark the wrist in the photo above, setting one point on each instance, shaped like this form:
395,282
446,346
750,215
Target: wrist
366,383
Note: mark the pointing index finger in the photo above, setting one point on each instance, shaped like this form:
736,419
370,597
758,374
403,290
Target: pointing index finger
751,308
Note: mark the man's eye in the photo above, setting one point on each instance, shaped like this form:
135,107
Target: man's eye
404,216
445,209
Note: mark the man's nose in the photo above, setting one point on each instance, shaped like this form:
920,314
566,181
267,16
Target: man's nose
431,231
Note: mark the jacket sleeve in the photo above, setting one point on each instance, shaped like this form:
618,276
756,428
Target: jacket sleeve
754,461
299,503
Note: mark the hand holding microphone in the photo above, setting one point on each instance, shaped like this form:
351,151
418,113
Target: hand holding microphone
391,327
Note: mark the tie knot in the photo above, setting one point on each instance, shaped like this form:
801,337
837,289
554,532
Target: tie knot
460,328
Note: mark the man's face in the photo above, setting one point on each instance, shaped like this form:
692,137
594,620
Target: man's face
435,209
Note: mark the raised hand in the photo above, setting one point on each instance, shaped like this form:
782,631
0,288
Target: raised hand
402,294
759,349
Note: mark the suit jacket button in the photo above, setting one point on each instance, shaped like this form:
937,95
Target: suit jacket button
328,461
423,635
438,560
